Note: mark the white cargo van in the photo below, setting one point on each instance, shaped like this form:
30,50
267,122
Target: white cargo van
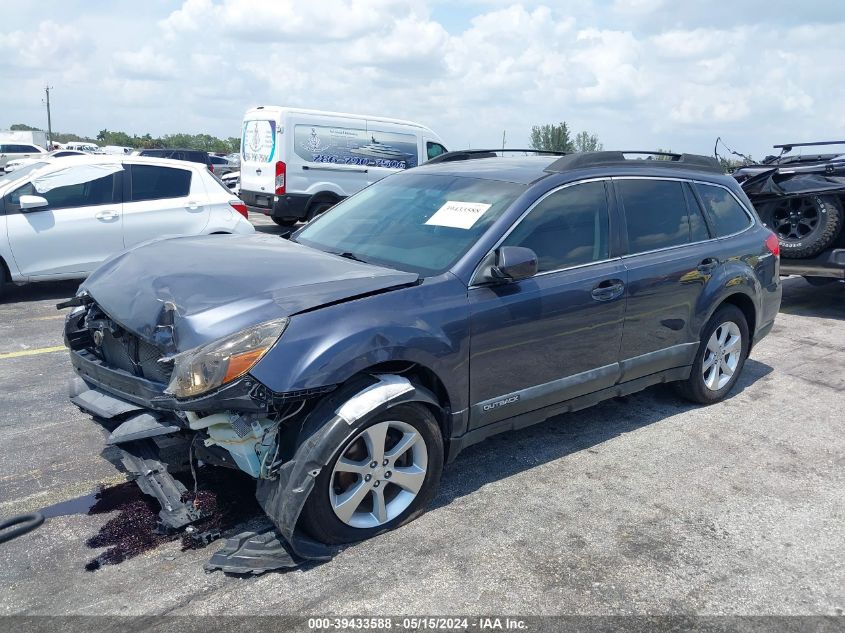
297,163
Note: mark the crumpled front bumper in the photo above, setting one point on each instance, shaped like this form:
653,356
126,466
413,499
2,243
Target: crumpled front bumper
335,419
245,394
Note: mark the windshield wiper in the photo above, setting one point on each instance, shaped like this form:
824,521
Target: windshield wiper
351,256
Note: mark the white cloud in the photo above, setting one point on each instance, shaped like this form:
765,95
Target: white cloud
146,64
639,73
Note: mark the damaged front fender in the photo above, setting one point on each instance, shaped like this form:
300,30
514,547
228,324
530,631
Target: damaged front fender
329,426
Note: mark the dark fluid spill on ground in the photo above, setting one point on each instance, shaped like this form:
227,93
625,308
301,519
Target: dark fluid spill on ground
80,505
228,495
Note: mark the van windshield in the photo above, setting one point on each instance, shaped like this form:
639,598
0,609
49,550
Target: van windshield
413,222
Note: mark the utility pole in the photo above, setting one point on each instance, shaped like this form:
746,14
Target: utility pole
49,121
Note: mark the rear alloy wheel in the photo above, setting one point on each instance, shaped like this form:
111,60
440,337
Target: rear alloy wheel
385,475
720,358
806,225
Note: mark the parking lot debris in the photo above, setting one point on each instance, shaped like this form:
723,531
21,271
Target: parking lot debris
253,553
227,503
16,526
140,459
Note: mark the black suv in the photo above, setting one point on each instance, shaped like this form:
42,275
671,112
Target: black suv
190,155
475,294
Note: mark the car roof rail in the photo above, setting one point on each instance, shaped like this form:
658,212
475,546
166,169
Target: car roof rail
470,154
788,146
618,158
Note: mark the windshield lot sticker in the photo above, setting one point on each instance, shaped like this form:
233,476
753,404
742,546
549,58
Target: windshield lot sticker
458,215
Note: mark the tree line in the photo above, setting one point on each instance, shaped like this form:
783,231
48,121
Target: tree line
559,138
104,137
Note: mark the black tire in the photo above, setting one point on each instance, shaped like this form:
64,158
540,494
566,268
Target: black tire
805,225
319,208
318,518
286,222
820,281
4,279
694,388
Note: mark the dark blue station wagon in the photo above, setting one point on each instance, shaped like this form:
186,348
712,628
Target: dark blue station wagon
479,293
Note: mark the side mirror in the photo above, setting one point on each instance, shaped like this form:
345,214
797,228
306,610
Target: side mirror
508,263
33,202
514,263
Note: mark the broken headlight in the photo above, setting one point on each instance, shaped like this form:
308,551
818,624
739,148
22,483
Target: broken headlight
204,368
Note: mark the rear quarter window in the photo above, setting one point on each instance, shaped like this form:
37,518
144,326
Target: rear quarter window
727,214
151,182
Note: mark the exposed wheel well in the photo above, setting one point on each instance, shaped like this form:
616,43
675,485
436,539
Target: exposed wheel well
424,377
320,198
744,303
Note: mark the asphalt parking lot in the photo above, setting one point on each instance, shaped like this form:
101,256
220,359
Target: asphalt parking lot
643,504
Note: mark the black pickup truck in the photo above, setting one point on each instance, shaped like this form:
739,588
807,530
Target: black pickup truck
801,198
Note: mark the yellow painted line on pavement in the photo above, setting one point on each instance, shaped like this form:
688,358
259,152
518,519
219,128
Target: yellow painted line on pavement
32,352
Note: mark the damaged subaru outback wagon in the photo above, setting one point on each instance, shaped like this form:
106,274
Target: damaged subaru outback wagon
480,293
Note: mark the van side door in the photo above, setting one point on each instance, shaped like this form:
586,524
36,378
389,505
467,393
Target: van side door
326,155
390,148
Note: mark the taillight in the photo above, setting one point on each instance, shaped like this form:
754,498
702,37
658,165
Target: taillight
773,244
211,168
280,178
240,207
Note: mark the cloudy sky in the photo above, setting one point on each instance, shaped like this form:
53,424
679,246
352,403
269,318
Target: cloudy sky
641,74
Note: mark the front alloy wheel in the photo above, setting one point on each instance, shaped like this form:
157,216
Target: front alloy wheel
379,474
385,474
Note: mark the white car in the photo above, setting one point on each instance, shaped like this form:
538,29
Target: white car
12,165
13,151
60,219
233,181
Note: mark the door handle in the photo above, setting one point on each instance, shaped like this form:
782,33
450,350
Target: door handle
707,265
192,206
608,290
106,215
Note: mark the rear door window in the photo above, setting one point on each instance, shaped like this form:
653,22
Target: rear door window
151,182
727,214
656,214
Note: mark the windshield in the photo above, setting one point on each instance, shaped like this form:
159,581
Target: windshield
20,172
414,222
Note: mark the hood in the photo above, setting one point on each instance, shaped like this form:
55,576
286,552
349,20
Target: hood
182,292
